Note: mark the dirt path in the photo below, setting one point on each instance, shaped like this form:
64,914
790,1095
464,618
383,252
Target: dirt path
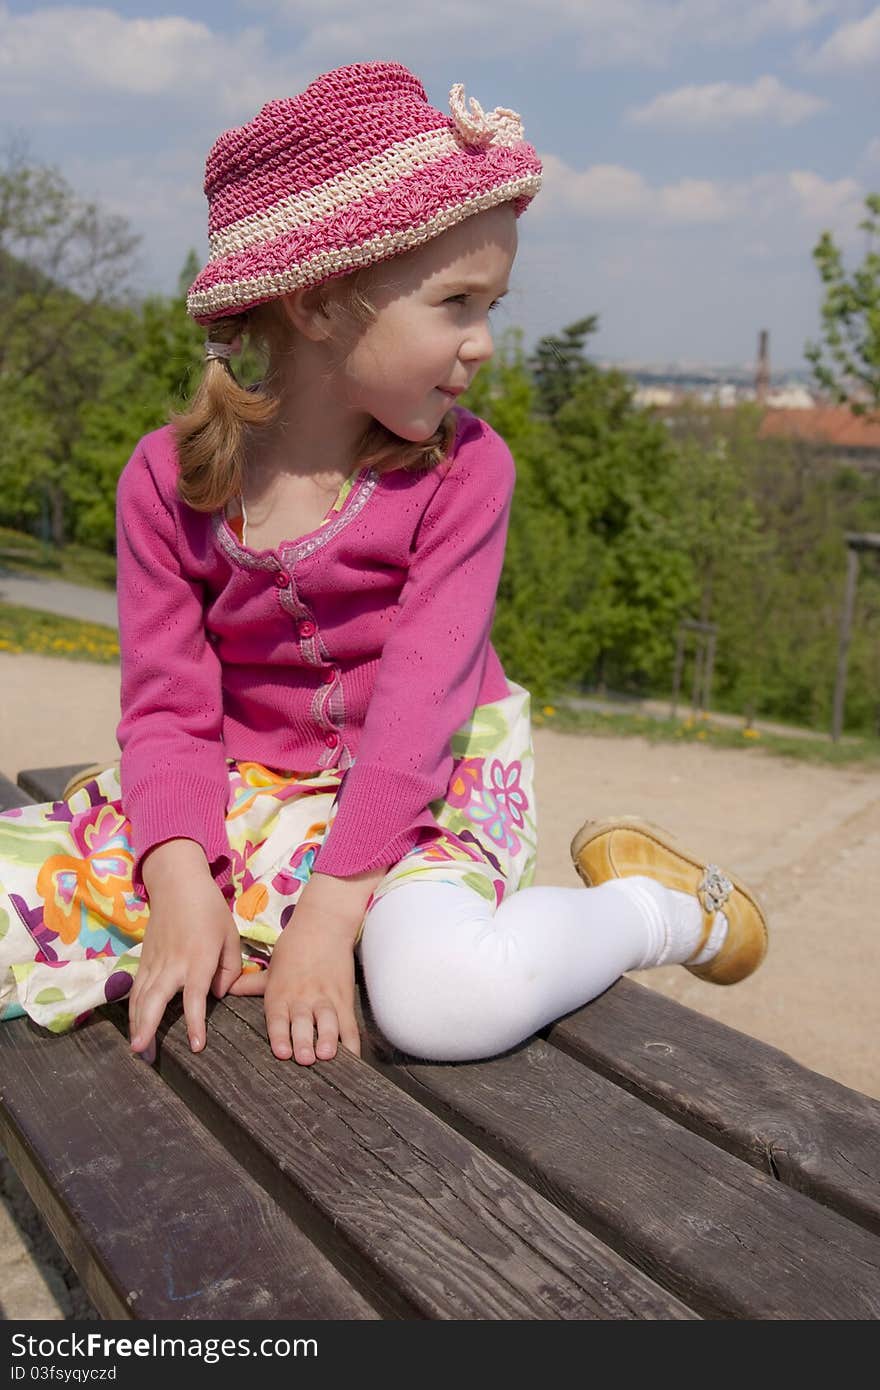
806,837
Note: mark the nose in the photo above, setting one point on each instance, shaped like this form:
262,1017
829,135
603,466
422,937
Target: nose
478,346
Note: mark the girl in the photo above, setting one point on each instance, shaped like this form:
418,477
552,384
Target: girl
321,753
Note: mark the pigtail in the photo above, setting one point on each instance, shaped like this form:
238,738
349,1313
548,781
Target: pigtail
210,433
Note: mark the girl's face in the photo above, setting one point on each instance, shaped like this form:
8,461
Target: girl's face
431,332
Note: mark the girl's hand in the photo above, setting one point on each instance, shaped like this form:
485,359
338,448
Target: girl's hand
309,988
191,944
309,985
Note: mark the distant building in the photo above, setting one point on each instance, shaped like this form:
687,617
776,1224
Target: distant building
655,395
790,397
829,429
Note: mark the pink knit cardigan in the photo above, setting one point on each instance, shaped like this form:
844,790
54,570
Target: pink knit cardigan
363,645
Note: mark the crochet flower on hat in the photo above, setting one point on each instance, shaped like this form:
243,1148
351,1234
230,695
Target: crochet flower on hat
478,127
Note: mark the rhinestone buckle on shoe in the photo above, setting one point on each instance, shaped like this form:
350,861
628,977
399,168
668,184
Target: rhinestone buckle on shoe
714,889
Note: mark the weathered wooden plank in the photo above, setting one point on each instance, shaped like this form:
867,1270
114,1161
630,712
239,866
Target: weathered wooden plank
729,1241
47,783
11,795
155,1217
437,1228
806,1130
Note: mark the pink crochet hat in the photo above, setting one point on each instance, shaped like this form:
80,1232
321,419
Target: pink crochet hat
357,168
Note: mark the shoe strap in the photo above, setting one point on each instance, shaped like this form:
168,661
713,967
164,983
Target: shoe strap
713,891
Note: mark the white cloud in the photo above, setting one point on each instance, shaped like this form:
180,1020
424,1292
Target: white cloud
696,200
67,61
601,33
719,105
63,63
602,191
608,192
612,193
826,201
871,153
852,47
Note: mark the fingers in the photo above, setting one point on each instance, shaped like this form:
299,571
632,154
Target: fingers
148,1054
310,1034
279,1029
328,1032
254,982
145,1009
229,968
194,1001
350,1037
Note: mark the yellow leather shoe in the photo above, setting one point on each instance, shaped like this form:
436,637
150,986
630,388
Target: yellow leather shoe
627,845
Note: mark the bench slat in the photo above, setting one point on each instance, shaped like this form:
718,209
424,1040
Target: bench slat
437,1228
155,1217
729,1241
11,795
47,783
808,1131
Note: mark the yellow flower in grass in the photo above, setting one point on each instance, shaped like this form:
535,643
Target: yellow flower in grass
548,710
750,733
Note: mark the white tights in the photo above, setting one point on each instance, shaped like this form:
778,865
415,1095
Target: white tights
451,979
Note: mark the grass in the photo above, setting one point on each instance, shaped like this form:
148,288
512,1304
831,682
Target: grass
29,630
864,752
78,564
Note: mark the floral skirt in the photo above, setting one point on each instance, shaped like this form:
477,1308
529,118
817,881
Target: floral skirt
71,923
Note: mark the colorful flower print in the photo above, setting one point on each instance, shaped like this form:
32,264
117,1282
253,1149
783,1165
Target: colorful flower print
506,786
252,780
441,851
97,880
297,871
32,917
252,902
466,780
482,851
494,819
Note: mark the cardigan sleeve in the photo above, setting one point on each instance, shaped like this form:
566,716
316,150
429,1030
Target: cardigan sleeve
432,663
173,766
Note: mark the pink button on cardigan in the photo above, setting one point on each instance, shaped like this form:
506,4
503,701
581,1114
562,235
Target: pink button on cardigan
396,592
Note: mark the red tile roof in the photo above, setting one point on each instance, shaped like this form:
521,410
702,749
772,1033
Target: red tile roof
825,424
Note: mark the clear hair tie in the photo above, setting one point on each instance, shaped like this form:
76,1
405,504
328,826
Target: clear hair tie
223,351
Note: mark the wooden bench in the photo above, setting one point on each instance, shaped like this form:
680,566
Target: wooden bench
635,1160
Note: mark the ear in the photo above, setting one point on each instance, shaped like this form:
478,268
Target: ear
306,310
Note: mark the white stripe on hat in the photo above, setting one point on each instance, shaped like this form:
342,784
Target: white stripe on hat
325,199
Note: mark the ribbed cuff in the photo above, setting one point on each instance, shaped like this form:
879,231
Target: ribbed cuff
185,808
382,815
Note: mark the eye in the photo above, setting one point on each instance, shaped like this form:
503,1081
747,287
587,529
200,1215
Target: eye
463,298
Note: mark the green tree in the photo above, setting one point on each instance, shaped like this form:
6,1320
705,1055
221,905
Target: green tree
595,572
153,372
62,259
63,269
558,363
850,320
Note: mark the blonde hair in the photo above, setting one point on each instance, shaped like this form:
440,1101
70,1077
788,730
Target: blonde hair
211,433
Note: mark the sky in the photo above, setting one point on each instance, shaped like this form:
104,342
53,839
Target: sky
694,150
